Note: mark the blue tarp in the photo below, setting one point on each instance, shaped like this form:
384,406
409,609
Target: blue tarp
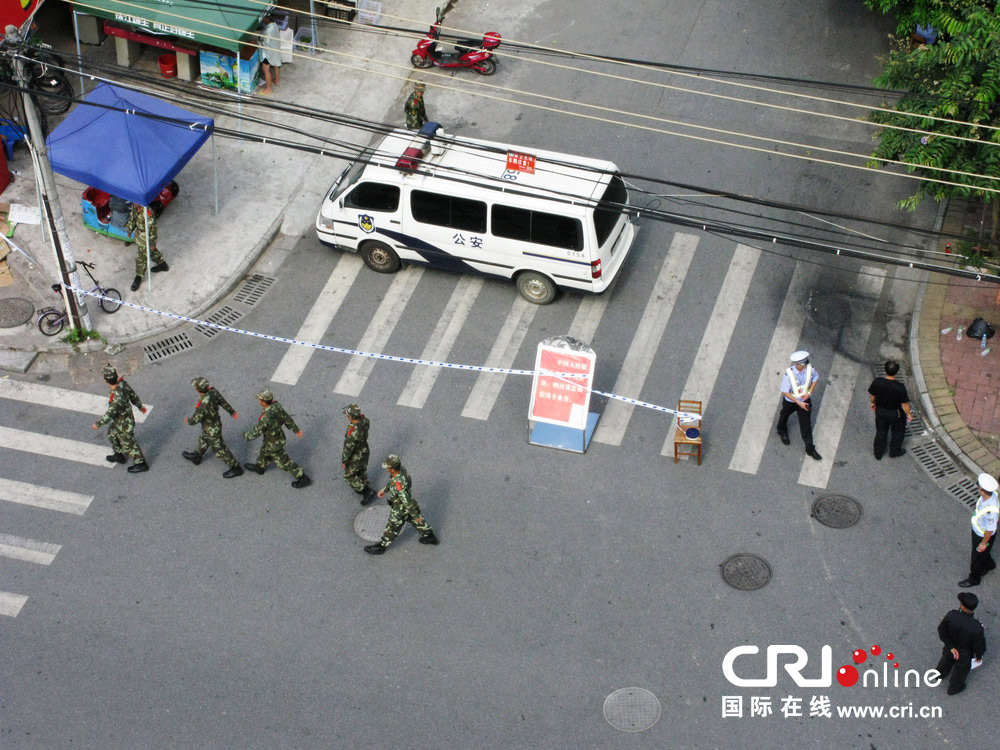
123,153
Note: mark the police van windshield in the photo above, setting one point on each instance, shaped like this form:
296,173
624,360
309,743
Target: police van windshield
610,207
349,176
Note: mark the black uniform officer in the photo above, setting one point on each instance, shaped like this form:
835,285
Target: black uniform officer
963,638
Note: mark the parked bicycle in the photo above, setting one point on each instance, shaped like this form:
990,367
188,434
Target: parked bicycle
51,320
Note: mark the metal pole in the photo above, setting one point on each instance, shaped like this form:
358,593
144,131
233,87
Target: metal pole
79,54
76,307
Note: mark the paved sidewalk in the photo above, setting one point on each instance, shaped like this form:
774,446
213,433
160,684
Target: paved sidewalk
962,384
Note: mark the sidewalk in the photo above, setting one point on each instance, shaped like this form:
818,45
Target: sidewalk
264,191
961,385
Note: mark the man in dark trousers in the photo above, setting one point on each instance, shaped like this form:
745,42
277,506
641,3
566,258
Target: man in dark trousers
797,385
891,404
964,640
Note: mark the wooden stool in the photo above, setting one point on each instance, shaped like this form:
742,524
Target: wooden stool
684,445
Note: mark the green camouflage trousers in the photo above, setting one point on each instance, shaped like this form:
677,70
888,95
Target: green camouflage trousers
140,257
123,441
276,452
399,514
212,440
356,471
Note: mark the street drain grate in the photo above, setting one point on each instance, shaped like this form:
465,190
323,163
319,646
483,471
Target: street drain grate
935,461
746,572
632,709
965,491
174,344
837,511
224,316
253,289
15,311
370,523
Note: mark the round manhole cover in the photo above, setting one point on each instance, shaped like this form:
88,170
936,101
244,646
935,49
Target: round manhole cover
632,709
837,511
370,523
15,311
746,572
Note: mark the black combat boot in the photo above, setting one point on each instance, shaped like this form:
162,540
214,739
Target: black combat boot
192,456
234,471
429,538
303,481
115,458
160,267
375,549
135,283
368,495
138,467
255,468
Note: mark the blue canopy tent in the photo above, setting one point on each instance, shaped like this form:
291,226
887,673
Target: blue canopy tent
113,147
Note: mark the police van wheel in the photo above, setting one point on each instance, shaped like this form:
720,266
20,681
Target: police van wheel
380,257
536,288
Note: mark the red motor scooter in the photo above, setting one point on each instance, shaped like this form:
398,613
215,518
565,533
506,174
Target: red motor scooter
469,53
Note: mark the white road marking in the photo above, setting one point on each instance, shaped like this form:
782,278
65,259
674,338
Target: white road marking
487,388
828,422
763,405
28,550
10,604
293,364
588,317
61,398
718,333
438,347
352,380
632,375
56,447
44,497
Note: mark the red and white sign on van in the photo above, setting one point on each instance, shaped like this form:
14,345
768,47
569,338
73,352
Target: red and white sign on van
561,392
518,162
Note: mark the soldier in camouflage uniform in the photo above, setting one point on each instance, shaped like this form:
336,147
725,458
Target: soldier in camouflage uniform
206,413
416,115
354,459
121,433
402,508
136,225
270,424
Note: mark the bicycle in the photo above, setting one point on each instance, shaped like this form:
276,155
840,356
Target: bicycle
51,320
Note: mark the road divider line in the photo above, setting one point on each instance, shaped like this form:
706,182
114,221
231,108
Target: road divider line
28,550
449,325
645,343
718,333
487,387
323,311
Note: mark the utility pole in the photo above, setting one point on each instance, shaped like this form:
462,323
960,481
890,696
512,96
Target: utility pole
76,304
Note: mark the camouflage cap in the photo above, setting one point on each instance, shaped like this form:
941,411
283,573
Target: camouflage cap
200,384
266,395
420,87
391,462
110,373
352,410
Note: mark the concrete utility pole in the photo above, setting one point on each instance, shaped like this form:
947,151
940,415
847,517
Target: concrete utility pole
76,304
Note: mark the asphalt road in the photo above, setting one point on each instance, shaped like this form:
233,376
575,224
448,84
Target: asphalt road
184,610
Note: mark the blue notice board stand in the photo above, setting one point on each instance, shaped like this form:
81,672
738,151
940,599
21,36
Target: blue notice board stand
562,437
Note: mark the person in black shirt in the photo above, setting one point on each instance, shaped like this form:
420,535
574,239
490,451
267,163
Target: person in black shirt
964,640
891,404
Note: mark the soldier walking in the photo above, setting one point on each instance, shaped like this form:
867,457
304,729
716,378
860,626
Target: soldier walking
121,433
269,424
354,459
416,115
136,225
402,508
206,413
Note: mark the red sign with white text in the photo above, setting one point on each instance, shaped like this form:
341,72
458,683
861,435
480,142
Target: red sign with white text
16,12
561,391
519,162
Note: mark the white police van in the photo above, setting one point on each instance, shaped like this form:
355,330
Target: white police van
545,220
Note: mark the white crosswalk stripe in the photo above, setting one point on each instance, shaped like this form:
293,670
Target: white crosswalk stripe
505,347
352,380
10,604
56,447
634,370
61,398
44,497
28,550
718,333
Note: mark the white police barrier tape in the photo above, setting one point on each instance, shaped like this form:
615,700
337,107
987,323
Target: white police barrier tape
683,416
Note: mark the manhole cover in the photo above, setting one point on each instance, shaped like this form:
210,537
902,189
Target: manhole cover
370,523
837,511
15,311
746,572
632,709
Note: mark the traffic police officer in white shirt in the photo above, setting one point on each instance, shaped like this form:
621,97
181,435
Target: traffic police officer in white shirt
984,531
797,386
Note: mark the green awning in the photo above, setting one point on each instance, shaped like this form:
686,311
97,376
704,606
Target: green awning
217,24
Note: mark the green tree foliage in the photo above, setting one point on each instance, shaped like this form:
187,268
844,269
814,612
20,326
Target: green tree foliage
909,13
958,78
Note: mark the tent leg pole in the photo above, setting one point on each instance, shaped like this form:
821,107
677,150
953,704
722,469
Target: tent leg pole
215,168
79,55
149,271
